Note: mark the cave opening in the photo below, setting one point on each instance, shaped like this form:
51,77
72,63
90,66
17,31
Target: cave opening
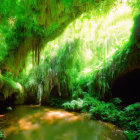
54,92
127,87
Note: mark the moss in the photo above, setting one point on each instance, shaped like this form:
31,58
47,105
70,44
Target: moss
30,20
123,61
9,87
74,65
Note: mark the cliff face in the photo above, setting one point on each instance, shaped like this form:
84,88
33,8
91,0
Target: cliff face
40,21
119,77
25,26
36,23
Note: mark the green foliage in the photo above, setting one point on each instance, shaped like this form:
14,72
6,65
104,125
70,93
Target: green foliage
105,112
78,93
8,86
83,60
2,135
35,77
116,101
77,54
131,120
21,21
55,102
128,118
74,105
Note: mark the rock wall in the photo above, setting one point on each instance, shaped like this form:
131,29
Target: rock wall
124,62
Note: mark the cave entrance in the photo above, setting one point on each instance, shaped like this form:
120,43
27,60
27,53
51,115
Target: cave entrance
54,92
127,87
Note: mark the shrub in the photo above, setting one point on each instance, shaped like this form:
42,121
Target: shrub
128,118
74,105
116,101
55,102
132,121
106,112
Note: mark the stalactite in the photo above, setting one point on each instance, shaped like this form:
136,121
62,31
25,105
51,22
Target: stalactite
39,44
40,93
59,90
33,57
36,52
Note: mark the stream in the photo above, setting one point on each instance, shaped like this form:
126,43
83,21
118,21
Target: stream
34,122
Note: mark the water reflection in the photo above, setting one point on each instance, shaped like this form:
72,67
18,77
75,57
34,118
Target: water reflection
40,123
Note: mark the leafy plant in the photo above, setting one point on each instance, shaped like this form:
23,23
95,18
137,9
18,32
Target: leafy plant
128,118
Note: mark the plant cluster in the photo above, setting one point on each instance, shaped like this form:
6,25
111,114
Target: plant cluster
128,118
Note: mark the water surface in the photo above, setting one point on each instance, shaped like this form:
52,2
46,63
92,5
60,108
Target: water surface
34,122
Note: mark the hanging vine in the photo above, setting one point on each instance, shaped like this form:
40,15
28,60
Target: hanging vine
36,51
